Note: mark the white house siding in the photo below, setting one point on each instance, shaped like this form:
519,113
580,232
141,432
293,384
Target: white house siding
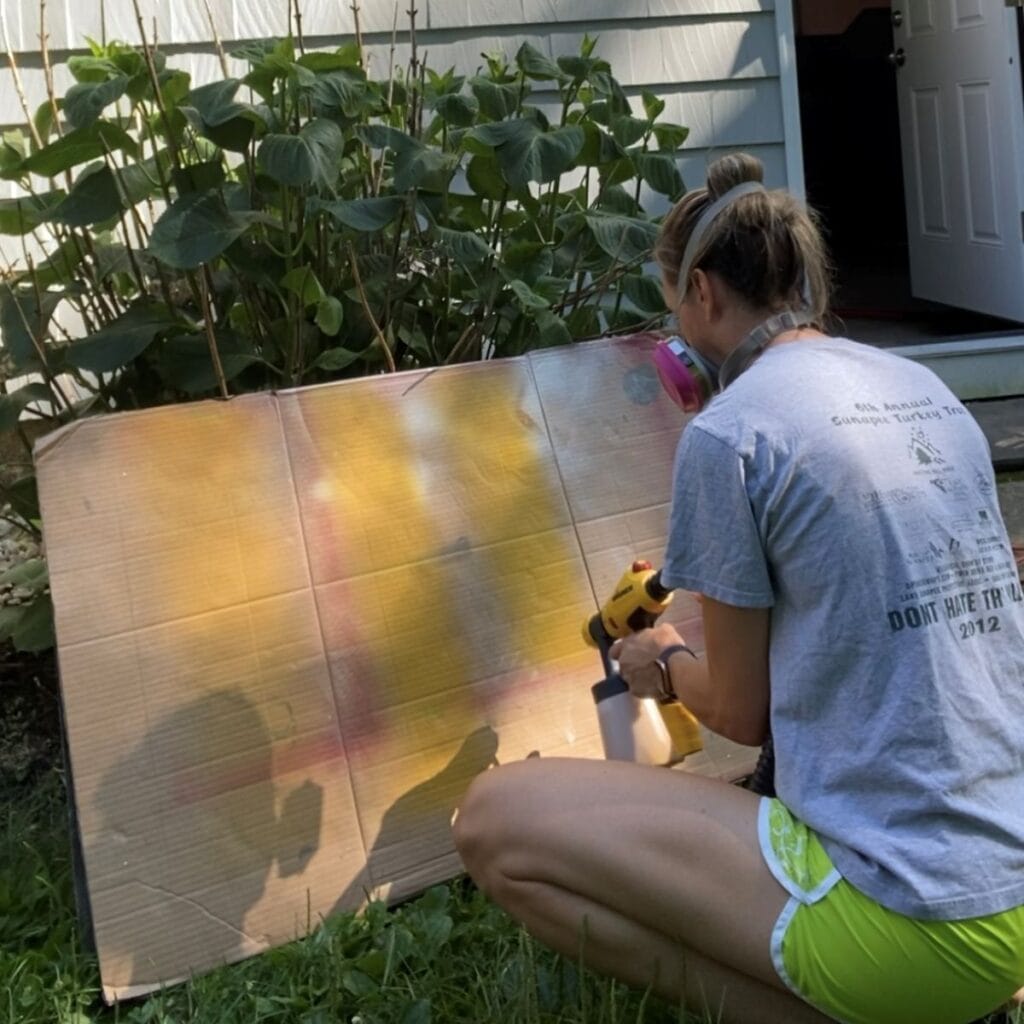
714,62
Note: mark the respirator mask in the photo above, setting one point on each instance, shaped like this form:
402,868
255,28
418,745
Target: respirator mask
691,379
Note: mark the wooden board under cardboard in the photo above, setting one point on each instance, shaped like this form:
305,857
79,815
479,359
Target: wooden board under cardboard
292,627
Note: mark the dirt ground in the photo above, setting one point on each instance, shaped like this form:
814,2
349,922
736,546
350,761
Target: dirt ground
29,716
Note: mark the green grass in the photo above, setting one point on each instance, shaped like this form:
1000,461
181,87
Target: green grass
448,957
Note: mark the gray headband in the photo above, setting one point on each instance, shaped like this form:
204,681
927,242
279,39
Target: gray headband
706,220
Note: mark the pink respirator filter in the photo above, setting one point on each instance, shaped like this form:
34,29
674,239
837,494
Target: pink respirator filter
685,381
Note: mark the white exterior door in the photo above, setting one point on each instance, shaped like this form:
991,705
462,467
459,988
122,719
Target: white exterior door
962,123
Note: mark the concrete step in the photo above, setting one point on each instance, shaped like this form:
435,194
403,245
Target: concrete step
1002,420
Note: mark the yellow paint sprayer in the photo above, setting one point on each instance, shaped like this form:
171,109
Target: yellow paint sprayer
646,731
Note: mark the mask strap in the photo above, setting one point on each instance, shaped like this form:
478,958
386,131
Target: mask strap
705,221
758,340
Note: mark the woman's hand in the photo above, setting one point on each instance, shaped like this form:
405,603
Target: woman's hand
636,653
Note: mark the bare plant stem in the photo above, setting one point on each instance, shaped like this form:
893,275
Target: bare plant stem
379,177
165,186
172,142
115,169
44,51
369,312
414,74
204,290
358,32
218,46
19,86
296,6
473,333
37,342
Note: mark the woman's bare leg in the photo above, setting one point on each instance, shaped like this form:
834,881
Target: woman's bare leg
655,876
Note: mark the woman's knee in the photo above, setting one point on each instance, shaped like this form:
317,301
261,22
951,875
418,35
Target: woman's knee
484,827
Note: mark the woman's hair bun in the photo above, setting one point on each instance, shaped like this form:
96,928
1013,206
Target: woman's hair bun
734,169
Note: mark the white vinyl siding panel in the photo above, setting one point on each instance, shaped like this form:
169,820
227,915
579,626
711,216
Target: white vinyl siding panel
714,62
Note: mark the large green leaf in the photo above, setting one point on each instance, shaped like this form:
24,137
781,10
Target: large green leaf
23,496
616,172
536,65
213,112
277,63
347,56
114,259
310,158
195,229
615,97
334,359
24,214
174,84
422,167
527,261
527,153
670,136
365,214
623,238
457,109
34,628
199,177
330,315
459,210
14,149
584,322
24,313
343,90
302,281
85,101
653,106
32,572
383,136
464,247
484,177
115,59
644,292
14,404
616,199
552,330
186,363
579,68
497,100
44,120
122,341
79,147
661,172
100,193
599,147
527,297
628,129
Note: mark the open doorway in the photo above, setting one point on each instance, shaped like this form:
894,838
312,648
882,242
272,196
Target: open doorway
854,174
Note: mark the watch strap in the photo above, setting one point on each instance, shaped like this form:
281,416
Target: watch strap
662,660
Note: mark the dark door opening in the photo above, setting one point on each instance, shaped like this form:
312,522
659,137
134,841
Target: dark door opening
854,174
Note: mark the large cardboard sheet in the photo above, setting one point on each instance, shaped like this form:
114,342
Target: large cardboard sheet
293,627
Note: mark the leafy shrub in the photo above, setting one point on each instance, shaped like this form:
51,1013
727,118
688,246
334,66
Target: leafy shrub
307,222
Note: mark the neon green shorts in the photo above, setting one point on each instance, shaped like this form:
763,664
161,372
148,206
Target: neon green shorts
860,963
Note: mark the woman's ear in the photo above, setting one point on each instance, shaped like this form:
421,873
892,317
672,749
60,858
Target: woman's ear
707,297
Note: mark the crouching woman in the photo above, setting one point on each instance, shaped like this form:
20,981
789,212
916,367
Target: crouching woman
836,507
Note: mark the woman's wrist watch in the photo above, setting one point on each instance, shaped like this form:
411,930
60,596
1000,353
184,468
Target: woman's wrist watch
666,693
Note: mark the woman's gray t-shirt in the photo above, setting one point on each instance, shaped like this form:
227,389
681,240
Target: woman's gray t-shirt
850,491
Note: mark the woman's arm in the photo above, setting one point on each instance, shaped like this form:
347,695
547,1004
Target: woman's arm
727,689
